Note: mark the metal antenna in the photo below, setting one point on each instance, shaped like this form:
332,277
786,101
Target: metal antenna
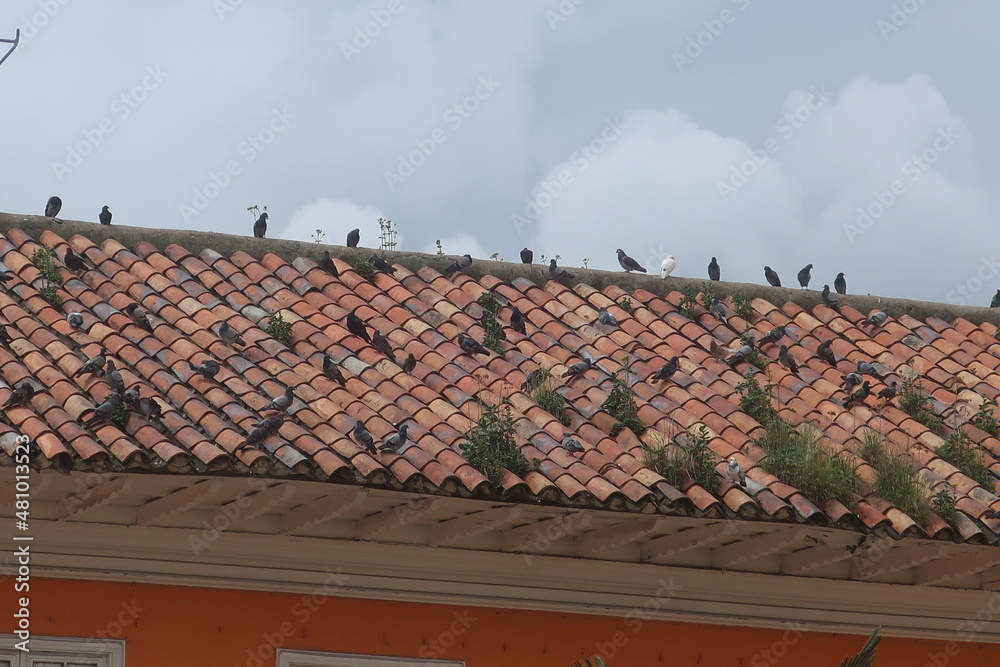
14,42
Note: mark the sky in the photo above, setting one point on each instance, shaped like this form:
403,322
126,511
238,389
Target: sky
855,136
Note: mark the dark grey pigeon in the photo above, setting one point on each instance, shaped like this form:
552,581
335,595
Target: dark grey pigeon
517,321
261,430
396,441
73,261
19,395
840,283
75,320
93,365
260,225
571,444
773,336
772,277
332,370
208,369
859,395
357,326
381,344
875,320
865,368
471,346
139,317
851,380
52,207
365,438
828,300
742,353
889,392
788,361
353,238
578,369
114,378
606,318
825,352
104,411
6,276
282,402
4,336
666,371
229,335
804,276
460,264
409,364
326,263
105,216
149,408
995,301
381,264
718,309
559,273
628,263
527,256
131,398
714,273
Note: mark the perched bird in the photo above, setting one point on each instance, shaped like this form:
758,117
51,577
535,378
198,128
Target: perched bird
667,266
149,408
381,344
139,317
828,300
534,379
19,395
104,411
208,369
786,359
825,353
628,263
381,264
114,378
772,277
471,346
460,264
713,270
396,441
365,438
717,350
840,283
666,371
875,320
52,207
261,430
73,261
571,444
326,263
577,369
605,317
859,395
353,238
773,336
735,472
4,336
94,364
527,256
332,370
105,216
260,225
742,353
718,309
6,276
131,398
889,392
804,276
75,320
865,368
851,380
229,335
517,321
559,273
994,302
357,326
282,402
408,364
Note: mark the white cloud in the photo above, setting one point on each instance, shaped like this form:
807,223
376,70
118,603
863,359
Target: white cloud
460,244
335,218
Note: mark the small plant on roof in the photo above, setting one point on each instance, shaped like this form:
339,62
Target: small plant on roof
621,404
440,250
318,236
967,456
943,503
625,304
44,261
743,307
895,479
50,293
984,419
496,257
586,261
707,294
798,458
494,334
756,358
387,234
914,401
490,446
689,458
755,400
120,416
689,299
541,387
363,267
278,329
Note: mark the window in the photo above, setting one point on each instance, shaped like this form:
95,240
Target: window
315,659
53,652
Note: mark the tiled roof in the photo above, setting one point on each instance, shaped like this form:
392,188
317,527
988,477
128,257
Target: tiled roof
189,291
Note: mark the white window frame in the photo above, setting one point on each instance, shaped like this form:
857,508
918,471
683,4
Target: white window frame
107,652
287,658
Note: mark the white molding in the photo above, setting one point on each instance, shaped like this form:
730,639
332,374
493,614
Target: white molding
109,652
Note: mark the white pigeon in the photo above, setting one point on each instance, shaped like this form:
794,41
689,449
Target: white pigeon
736,473
667,266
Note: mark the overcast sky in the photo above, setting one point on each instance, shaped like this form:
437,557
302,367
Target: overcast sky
853,135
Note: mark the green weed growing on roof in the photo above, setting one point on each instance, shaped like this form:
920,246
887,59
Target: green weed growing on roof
625,304
799,459
914,401
491,325
542,391
689,458
984,419
50,293
621,404
965,455
490,446
43,259
363,267
689,299
755,400
278,329
943,503
895,479
743,307
707,294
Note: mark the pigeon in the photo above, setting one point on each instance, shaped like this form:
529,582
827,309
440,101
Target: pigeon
381,264
829,300
131,398
718,309
6,276
4,336
357,326
859,395
353,238
788,361
804,276
260,225
773,336
666,371
825,353
772,277
534,379
851,380
628,263
229,335
332,370
571,444
742,353
605,317
261,430
19,395
104,411
381,344
994,302
526,256
282,402
408,364
889,392
577,369
396,441
362,435
471,346
713,270
105,216
717,350
326,263
73,261
667,267
94,364
460,264
875,320
208,369
149,408
840,283
139,317
114,378
865,368
517,321
75,320
735,472
52,207
559,273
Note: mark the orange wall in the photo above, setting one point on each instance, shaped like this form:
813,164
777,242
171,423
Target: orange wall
166,626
